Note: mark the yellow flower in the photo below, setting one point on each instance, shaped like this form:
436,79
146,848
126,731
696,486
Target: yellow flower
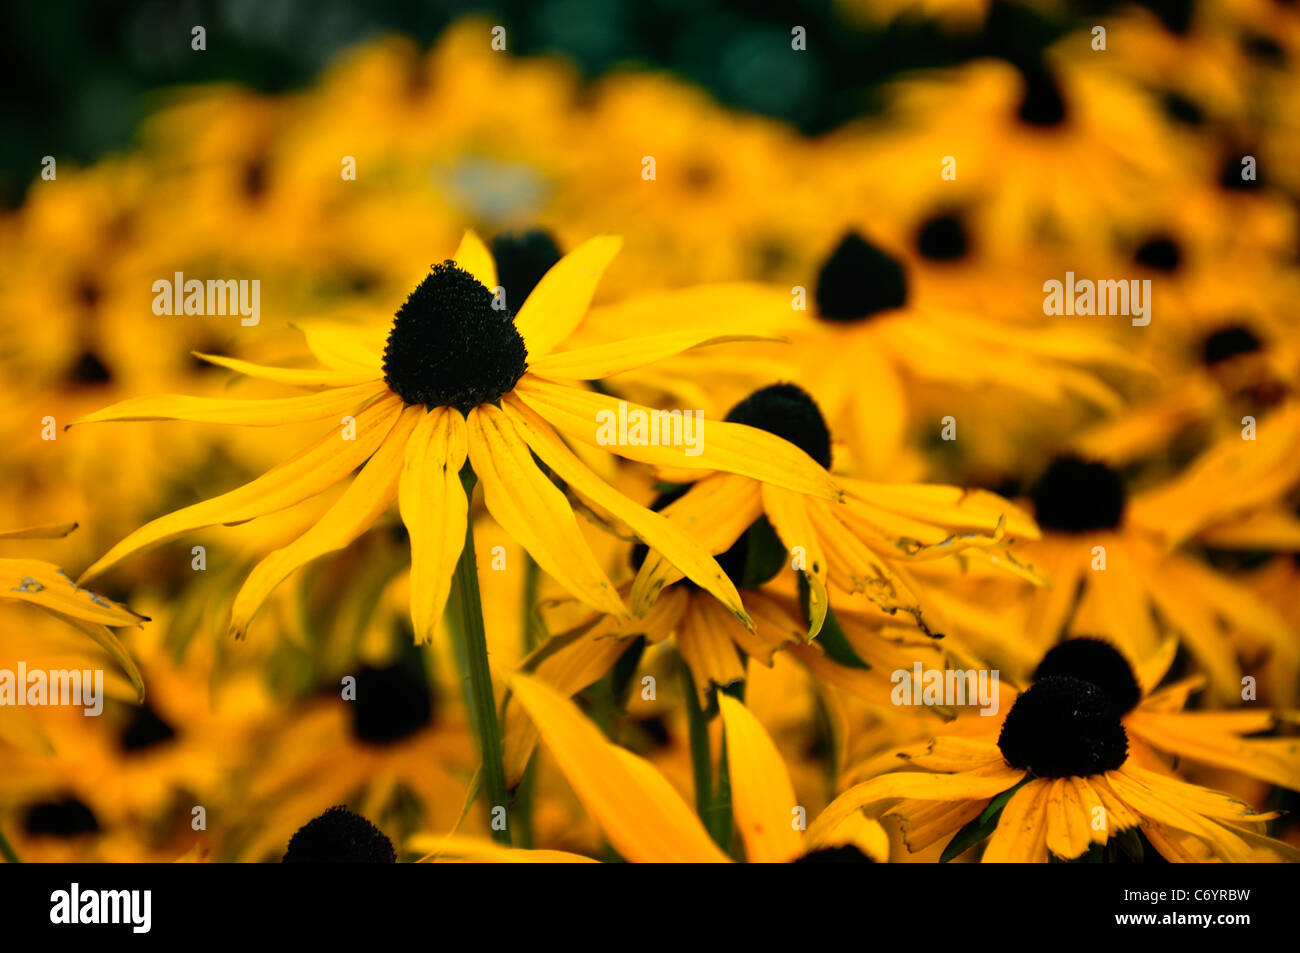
459,380
1059,778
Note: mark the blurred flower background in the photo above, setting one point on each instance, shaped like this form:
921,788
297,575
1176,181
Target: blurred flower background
879,191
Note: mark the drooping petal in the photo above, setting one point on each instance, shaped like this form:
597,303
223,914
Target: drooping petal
272,412
558,303
761,791
46,585
531,509
719,445
655,530
705,645
312,471
352,514
432,501
641,814
788,513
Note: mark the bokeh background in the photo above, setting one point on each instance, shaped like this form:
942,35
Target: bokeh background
226,162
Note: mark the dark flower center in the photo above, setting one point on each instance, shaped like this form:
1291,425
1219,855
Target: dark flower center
88,369
392,703
1229,342
841,854
788,411
1042,104
1160,253
145,730
522,258
1062,727
942,238
1097,662
449,347
340,837
66,817
859,280
1078,496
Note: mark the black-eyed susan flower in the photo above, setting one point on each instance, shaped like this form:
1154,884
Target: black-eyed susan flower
1110,572
459,381
398,742
1058,779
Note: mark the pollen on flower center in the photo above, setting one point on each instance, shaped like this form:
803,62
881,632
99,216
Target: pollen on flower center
859,280
1078,496
449,347
340,837
1097,662
1062,727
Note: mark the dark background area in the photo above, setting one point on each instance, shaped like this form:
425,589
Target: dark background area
79,75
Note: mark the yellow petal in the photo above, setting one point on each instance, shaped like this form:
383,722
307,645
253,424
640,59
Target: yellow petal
46,585
432,501
473,256
655,530
788,513
480,850
345,347
641,814
1066,826
606,360
314,470
986,782
761,792
715,511
707,648
296,377
530,508
336,402
568,671
557,305
352,514
733,448
1020,837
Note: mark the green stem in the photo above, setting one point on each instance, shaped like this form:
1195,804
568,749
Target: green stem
6,849
534,633
468,606
712,802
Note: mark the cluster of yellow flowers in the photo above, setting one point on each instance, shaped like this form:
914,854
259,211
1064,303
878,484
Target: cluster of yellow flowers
561,470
